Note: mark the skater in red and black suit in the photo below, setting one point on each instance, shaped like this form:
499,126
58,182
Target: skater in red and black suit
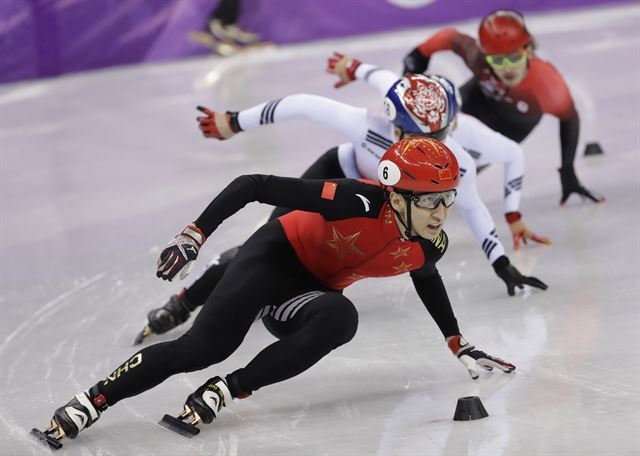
291,273
511,87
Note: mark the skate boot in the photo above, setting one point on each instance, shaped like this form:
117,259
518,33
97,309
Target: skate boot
202,406
175,312
231,33
79,413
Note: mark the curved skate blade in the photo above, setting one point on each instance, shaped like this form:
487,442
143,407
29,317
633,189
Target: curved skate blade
178,426
45,439
142,335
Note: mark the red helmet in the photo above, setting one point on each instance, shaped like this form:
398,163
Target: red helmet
419,164
503,32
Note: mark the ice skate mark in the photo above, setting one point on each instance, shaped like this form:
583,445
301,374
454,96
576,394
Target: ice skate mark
44,312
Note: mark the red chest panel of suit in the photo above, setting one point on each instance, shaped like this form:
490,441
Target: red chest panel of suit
338,253
542,91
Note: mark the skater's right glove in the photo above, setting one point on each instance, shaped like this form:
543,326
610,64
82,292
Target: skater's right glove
471,358
219,125
512,277
180,253
520,232
415,62
344,67
571,184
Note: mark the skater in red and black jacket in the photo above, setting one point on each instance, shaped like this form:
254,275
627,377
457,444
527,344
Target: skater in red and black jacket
291,274
511,87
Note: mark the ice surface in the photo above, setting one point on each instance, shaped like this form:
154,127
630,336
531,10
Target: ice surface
99,170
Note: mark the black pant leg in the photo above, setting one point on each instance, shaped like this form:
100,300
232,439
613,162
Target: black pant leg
266,271
226,12
202,287
324,324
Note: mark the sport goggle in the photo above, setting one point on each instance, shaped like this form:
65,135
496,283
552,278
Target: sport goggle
503,60
433,200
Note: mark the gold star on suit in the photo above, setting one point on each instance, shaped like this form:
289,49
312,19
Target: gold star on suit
402,268
400,253
344,244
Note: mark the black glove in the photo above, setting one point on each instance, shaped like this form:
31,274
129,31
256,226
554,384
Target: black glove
570,184
512,277
415,62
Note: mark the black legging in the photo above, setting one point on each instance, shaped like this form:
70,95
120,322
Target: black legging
266,271
326,166
226,12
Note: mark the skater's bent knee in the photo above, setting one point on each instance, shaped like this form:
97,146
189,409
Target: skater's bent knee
338,320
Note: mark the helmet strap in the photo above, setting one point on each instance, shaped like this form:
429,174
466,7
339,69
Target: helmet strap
407,225
407,230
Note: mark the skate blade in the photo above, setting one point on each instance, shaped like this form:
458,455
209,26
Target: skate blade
45,439
203,38
178,426
142,335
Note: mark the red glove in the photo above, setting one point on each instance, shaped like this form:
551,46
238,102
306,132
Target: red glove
219,125
344,67
519,231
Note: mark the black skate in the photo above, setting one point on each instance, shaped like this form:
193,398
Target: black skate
202,406
79,413
175,312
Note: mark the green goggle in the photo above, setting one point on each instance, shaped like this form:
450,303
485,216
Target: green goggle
433,200
503,60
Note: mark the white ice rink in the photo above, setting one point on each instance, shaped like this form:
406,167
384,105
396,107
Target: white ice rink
99,170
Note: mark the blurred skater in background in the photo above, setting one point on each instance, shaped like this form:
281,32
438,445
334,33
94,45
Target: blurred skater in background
511,87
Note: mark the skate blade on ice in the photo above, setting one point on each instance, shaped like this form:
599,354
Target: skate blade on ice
45,439
142,335
178,426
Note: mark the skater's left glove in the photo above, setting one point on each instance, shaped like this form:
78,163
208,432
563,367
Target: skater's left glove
520,232
571,184
471,358
512,277
415,62
344,67
180,254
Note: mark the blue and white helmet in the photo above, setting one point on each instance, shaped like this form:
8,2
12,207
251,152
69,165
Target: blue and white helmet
421,105
453,95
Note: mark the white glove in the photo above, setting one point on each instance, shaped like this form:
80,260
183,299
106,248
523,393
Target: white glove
471,358
180,253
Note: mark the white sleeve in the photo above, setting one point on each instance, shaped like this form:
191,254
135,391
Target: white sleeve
488,147
347,119
473,209
381,79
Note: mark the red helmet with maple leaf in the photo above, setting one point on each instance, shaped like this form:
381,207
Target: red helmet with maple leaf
503,32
